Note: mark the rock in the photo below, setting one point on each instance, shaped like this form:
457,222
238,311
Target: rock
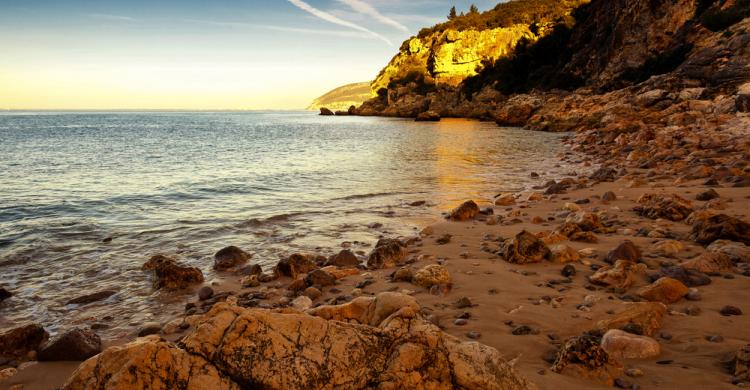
251,270
587,237
403,275
736,251
667,206
250,281
205,292
432,275
93,297
604,174
730,311
505,200
320,278
375,340
521,330
693,294
625,251
296,264
345,258
563,254
648,316
302,303
523,249
709,262
720,227
583,357
466,211
149,328
312,293
668,248
444,239
464,302
742,101
428,116
568,271
230,257
665,290
742,363
77,344
340,273
707,195
609,196
622,274
8,373
16,343
4,294
386,254
326,112
170,275
584,221
688,277
624,345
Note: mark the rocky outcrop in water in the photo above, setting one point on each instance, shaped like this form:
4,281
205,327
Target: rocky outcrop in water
376,341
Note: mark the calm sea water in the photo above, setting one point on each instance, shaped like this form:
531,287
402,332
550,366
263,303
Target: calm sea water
188,184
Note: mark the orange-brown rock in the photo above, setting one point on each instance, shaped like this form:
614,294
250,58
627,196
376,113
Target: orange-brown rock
709,262
622,274
648,316
664,290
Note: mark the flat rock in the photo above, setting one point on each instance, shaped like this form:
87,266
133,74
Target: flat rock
667,206
665,290
93,297
77,345
720,227
709,262
688,277
622,274
648,316
624,345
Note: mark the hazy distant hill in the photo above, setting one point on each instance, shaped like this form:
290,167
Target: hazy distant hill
343,97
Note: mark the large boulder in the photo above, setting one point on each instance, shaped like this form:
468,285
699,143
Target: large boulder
326,112
625,251
77,344
665,290
646,316
524,248
622,274
296,264
432,275
230,257
387,253
465,211
345,258
736,251
668,206
709,262
255,348
623,345
720,227
16,343
170,275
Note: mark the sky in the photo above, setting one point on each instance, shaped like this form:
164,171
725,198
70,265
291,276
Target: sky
199,54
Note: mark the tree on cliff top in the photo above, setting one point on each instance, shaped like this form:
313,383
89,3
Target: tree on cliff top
452,13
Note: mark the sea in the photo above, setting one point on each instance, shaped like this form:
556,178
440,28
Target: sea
87,197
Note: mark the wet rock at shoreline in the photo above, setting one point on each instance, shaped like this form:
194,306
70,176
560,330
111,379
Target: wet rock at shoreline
294,265
325,112
720,227
230,257
4,294
205,292
170,275
77,344
464,212
387,253
428,116
320,278
17,343
668,206
89,298
524,248
344,258
432,275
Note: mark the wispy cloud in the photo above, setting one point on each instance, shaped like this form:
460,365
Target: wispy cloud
367,9
111,17
335,19
298,30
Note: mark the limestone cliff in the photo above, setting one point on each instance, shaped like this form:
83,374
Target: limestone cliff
343,97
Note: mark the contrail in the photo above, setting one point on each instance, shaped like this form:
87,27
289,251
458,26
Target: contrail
364,8
336,20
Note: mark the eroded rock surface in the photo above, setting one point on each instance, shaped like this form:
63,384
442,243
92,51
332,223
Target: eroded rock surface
171,275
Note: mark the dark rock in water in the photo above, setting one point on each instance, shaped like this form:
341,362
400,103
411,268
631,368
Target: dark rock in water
720,227
625,251
342,113
75,345
428,116
4,294
149,329
298,263
97,296
320,278
668,206
386,254
688,277
249,270
524,248
604,174
707,195
609,196
205,292
466,211
730,311
171,275
345,258
568,270
229,257
15,344
326,112
533,175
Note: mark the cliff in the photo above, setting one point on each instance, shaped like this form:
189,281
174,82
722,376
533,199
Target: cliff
343,97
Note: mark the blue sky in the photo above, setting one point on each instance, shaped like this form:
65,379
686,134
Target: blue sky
198,54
